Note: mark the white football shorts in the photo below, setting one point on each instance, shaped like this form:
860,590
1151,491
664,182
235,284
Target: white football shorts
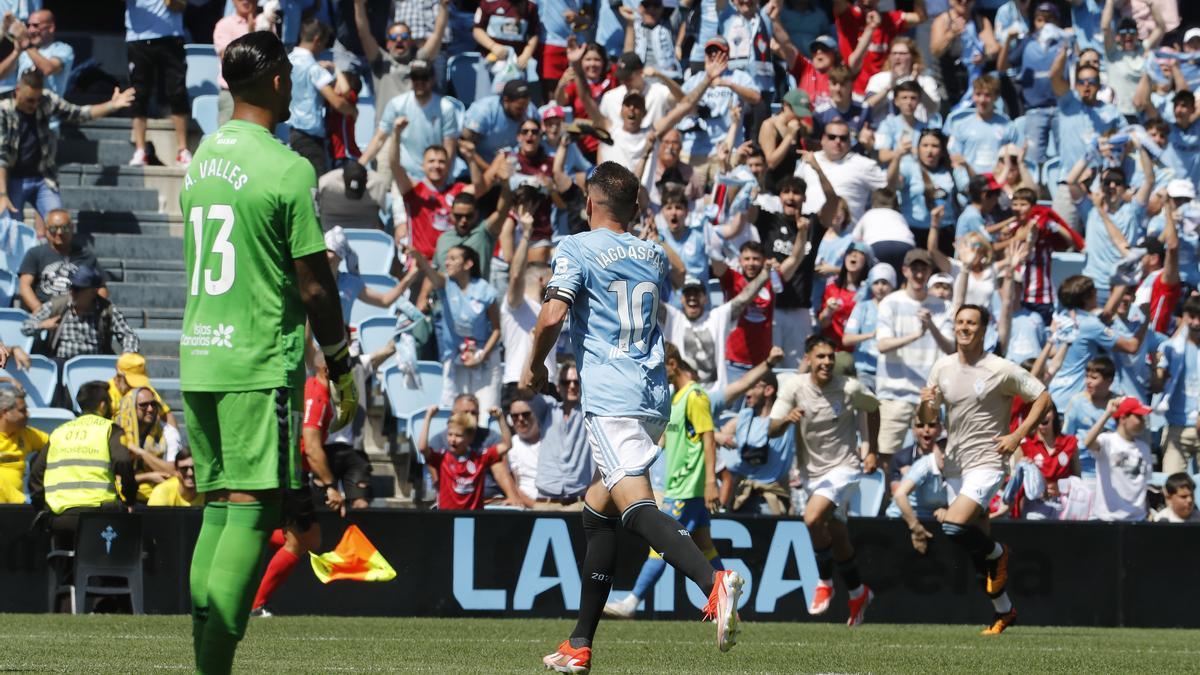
623,446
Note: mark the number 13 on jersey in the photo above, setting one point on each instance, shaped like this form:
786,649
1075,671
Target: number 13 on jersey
217,262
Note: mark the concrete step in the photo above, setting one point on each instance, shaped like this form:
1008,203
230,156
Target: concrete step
146,295
93,198
102,175
153,317
162,342
127,246
136,276
84,151
163,367
142,265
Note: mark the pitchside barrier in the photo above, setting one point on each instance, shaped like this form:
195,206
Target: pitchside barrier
515,564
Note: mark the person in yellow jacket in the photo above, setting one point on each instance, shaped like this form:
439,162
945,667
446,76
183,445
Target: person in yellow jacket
79,468
179,490
18,440
131,374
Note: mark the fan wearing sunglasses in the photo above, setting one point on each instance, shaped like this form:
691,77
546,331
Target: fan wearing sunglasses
1126,54
389,63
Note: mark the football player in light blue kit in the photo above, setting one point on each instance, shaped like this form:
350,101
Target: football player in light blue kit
610,282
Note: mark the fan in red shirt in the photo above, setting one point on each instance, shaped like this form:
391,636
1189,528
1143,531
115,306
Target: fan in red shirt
812,74
750,341
303,533
428,201
852,19
1054,454
600,78
460,470
842,294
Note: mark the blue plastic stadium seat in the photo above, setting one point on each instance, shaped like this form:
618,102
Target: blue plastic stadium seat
402,400
716,296
38,381
361,311
204,111
375,248
1066,264
11,319
49,419
364,124
469,77
203,67
8,287
437,424
82,369
375,332
866,498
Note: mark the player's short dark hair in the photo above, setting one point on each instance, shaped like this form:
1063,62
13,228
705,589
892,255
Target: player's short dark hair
472,256
1176,482
1102,366
909,86
465,198
183,454
985,316
616,189
1191,306
91,396
250,58
1075,291
753,246
793,184
33,79
1025,194
313,29
817,339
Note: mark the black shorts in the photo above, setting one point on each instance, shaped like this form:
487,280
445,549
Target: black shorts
299,506
352,469
158,64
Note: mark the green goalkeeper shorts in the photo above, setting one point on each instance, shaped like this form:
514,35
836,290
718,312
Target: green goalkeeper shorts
245,440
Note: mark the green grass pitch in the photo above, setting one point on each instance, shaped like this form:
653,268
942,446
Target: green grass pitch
110,644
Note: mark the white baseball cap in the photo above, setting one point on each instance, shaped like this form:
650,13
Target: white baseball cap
1180,188
1190,34
941,278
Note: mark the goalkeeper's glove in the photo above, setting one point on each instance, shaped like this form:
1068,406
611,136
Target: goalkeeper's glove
343,395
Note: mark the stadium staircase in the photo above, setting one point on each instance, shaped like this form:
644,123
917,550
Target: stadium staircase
131,215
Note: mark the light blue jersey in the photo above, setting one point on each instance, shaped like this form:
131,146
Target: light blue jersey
613,283
1189,243
930,493
308,106
1078,418
1080,125
150,20
757,456
980,140
1094,338
866,354
1182,388
1103,256
62,51
429,124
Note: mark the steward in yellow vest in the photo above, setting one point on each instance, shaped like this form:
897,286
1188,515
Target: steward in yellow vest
80,465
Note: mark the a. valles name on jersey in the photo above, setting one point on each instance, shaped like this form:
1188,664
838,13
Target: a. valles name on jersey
217,168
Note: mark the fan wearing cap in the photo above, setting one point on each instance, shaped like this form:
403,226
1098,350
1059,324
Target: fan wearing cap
390,63
660,92
781,135
1126,55
312,90
351,196
1179,197
491,123
811,72
862,21
631,143
130,375
1123,461
430,119
714,116
650,38
82,322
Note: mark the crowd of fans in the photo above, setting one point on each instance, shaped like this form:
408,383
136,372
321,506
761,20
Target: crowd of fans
839,168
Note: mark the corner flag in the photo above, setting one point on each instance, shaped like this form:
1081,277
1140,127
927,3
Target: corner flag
355,557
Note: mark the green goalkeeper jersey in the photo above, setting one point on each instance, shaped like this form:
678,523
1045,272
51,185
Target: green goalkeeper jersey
249,206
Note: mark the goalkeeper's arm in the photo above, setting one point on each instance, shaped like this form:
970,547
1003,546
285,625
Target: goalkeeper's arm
319,293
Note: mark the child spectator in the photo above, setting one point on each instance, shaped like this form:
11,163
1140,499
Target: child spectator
1087,406
460,470
339,127
1181,501
1046,232
1123,461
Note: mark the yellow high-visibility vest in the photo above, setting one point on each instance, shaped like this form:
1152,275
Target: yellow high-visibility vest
78,472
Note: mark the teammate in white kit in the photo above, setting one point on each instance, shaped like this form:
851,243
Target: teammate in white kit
977,389
819,403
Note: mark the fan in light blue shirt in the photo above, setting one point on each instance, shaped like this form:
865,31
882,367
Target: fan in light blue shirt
928,493
947,184
1182,389
702,133
1081,413
150,20
308,106
979,137
1103,254
428,124
1080,123
1093,339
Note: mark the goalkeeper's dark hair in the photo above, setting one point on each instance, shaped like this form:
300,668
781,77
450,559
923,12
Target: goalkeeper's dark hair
250,59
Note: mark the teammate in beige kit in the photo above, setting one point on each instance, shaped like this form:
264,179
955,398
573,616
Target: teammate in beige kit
977,389
819,404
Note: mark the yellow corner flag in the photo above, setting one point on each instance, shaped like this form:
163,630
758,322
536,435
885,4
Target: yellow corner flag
355,557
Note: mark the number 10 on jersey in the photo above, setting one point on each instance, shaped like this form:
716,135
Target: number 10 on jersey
222,280
632,313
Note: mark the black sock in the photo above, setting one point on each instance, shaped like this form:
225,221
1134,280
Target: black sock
977,544
598,565
673,543
824,563
849,570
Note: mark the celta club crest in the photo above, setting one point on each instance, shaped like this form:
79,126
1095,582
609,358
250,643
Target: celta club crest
108,535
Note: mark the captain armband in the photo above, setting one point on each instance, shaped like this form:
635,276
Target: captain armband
556,293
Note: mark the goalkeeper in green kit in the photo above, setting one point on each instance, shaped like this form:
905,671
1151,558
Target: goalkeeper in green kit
256,267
